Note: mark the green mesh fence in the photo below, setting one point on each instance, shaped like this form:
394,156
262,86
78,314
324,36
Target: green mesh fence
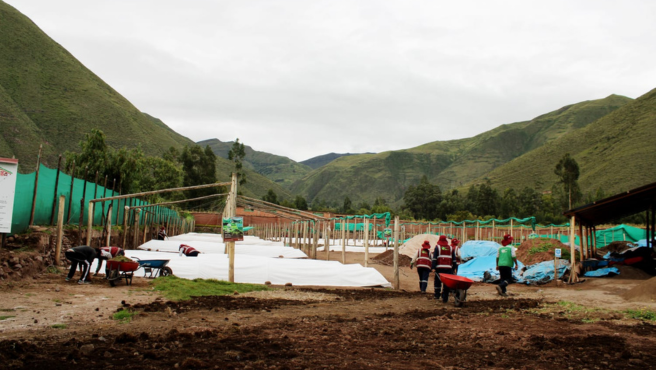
46,196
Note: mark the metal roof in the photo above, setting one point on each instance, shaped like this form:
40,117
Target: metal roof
619,205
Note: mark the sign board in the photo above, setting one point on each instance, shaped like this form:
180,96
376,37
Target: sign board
233,229
558,254
387,232
8,175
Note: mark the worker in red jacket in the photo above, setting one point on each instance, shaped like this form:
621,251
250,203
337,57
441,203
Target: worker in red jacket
107,253
188,251
423,262
443,257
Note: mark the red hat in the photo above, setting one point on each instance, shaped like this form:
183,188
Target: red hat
426,245
442,241
454,242
507,239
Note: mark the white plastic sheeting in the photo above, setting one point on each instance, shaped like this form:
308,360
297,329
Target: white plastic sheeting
250,246
257,270
351,248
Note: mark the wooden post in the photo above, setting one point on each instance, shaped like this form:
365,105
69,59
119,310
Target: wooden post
556,270
54,197
137,217
366,243
145,228
102,214
397,281
326,240
125,227
511,227
36,184
60,229
343,242
89,223
109,225
70,194
84,192
231,212
572,250
315,240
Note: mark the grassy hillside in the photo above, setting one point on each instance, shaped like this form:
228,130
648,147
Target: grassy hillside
615,153
256,185
278,169
323,160
48,97
451,164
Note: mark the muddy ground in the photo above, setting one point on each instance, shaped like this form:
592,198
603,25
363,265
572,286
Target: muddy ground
53,324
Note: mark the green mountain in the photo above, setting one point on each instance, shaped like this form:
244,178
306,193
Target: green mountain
278,169
322,160
450,164
615,153
48,97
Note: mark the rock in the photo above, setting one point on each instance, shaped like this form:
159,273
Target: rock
267,283
107,354
18,266
87,349
288,284
39,259
637,362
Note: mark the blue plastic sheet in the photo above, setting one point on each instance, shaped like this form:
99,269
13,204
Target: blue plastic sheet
608,271
475,268
478,248
543,272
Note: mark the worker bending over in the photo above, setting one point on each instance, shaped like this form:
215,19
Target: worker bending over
83,256
107,253
188,251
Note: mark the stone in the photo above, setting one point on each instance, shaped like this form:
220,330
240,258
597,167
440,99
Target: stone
18,266
87,349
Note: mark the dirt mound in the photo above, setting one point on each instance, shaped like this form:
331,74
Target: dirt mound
410,247
645,292
615,247
387,258
629,272
539,250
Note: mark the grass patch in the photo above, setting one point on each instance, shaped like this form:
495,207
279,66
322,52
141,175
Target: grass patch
53,270
58,326
5,317
177,289
124,316
643,314
7,309
543,248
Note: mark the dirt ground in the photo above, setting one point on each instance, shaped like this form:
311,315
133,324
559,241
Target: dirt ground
49,323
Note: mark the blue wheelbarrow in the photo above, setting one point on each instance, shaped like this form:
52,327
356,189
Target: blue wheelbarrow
154,268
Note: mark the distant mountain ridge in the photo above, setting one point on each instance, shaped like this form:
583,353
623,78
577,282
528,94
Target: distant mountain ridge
322,160
47,96
278,169
450,164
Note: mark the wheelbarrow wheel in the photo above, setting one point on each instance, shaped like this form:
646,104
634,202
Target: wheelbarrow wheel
113,275
460,297
165,271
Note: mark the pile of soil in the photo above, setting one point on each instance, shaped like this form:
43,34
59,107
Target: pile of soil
387,258
645,292
525,256
630,272
615,247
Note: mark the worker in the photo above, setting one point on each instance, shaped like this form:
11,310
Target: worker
107,253
83,256
457,260
188,251
442,263
161,234
506,258
423,262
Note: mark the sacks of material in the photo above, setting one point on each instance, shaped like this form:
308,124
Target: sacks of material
478,248
543,272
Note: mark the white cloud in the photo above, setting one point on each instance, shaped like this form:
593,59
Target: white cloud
304,78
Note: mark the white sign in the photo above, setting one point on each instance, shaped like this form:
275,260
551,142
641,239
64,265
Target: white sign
557,252
8,175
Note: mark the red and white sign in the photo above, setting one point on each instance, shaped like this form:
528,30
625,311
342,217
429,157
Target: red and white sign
8,175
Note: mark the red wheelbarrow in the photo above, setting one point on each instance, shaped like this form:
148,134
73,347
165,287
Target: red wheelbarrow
458,286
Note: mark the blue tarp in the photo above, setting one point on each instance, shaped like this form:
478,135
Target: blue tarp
603,272
478,248
543,272
476,268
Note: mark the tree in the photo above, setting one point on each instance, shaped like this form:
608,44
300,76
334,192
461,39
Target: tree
423,200
271,197
300,203
509,203
567,171
488,199
237,154
346,208
199,168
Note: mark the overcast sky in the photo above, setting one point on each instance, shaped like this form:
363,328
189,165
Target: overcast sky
305,78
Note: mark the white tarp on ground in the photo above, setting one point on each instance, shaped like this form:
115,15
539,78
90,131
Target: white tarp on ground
350,248
257,270
250,246
410,247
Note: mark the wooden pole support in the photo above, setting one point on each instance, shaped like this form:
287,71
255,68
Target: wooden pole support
397,281
60,229
89,223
